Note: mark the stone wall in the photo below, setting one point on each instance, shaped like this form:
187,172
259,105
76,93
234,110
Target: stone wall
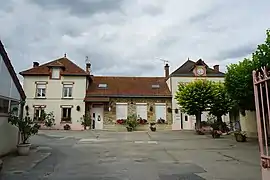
110,116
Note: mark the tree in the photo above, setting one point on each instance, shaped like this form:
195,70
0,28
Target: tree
194,98
221,103
239,80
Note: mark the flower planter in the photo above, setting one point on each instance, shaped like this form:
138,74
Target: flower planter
23,149
216,134
153,129
240,137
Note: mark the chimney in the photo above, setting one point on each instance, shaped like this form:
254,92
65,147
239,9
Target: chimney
35,64
167,71
88,65
216,68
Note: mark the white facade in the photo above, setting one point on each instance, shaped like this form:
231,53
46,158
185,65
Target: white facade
188,122
64,97
9,98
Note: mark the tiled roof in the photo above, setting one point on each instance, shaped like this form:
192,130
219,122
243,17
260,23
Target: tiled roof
186,70
11,70
69,68
128,87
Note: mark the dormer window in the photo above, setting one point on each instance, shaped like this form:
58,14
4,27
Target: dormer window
55,73
155,86
102,86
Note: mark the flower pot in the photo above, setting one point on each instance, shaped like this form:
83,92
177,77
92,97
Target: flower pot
23,149
153,129
240,138
129,129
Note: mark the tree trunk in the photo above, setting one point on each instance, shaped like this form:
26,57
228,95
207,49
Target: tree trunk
198,120
219,121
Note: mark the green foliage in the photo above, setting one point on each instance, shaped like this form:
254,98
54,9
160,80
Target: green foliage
238,79
27,127
86,120
132,121
221,103
195,96
239,84
49,119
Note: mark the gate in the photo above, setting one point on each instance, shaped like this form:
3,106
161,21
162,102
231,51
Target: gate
261,80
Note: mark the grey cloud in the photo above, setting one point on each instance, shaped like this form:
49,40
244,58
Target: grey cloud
81,7
236,52
152,10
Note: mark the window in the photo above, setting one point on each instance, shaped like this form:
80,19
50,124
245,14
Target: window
14,107
67,90
121,111
160,110
186,118
102,86
39,114
4,104
155,86
141,110
66,114
55,73
41,91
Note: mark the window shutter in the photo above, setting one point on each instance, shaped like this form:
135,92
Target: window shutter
160,112
121,111
141,111
41,86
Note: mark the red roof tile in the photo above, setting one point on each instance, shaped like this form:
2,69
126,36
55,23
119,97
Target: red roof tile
69,68
128,87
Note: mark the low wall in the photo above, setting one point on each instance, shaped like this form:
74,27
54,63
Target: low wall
8,136
249,124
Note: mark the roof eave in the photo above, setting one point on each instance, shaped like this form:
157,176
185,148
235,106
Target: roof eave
127,96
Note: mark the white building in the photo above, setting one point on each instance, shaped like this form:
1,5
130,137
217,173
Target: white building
188,72
11,93
58,86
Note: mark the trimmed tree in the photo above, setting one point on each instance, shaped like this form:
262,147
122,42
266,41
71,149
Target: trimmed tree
239,81
194,98
221,103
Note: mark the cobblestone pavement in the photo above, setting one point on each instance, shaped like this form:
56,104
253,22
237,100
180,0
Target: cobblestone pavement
167,155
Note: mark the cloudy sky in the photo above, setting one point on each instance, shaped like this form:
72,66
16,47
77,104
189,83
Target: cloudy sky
124,37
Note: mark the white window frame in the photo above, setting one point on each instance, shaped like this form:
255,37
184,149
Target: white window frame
55,73
42,88
69,88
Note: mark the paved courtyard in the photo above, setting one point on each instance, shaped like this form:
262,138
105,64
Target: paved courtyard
167,155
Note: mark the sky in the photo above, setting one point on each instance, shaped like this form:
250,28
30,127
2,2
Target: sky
127,37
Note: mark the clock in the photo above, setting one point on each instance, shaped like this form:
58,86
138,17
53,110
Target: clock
200,71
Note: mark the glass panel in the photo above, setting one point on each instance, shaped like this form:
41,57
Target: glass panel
70,92
4,103
14,107
55,73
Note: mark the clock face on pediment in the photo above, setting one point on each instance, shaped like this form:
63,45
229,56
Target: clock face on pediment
200,70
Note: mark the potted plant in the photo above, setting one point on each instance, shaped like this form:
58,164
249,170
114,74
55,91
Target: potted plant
131,122
86,121
240,136
27,128
49,119
216,133
153,127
